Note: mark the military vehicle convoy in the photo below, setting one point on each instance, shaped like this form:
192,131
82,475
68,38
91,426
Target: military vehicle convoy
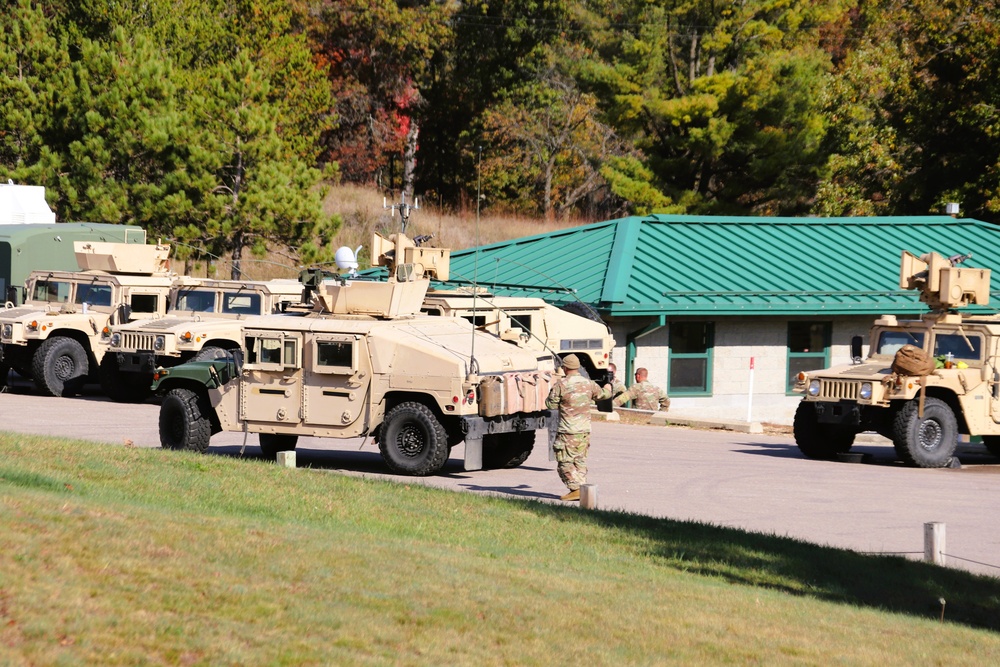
55,337
364,362
924,382
531,323
205,318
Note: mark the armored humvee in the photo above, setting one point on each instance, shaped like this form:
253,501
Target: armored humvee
205,319
923,411
531,323
365,362
55,337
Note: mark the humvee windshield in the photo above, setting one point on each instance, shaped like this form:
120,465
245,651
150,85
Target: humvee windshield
196,301
53,291
96,294
242,303
959,346
889,342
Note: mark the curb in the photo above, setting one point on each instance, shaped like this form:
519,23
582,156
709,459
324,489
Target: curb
663,419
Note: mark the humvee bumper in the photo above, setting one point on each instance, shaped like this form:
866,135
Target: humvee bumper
476,427
136,362
843,413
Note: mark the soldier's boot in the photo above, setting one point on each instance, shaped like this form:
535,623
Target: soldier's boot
572,495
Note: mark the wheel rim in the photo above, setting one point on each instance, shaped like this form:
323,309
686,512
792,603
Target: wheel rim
411,441
930,434
64,367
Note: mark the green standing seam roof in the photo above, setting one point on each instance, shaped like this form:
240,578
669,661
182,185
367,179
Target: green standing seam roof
713,265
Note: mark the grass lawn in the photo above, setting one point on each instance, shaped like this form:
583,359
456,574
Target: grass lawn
116,555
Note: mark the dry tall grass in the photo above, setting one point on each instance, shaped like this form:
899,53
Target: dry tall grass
362,213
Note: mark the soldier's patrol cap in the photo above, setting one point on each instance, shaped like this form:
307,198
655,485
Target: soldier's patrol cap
571,361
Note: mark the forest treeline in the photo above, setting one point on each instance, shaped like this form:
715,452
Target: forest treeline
215,123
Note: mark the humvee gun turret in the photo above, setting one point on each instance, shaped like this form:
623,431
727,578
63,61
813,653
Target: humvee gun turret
56,336
531,323
205,319
365,362
924,381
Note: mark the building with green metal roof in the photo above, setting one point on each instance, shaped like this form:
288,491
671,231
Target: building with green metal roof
700,300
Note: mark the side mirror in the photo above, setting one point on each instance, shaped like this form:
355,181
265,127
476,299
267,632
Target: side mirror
123,314
856,343
237,356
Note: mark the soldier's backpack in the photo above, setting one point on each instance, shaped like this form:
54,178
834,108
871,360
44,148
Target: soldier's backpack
912,360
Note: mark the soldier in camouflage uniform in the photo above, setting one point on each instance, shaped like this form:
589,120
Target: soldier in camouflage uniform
574,395
644,394
617,386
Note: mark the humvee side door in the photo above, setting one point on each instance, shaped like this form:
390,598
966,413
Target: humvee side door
271,383
337,380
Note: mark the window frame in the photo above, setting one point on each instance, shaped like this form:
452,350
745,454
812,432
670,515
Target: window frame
708,355
789,355
315,366
283,340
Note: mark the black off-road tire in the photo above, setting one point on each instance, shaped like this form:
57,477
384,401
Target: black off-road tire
507,450
60,367
412,440
818,441
184,421
272,443
123,387
927,442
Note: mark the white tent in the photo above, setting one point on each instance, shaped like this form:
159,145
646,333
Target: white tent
24,204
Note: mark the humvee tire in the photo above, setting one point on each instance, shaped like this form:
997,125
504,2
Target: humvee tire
123,387
60,367
507,450
412,441
927,442
183,424
272,443
819,442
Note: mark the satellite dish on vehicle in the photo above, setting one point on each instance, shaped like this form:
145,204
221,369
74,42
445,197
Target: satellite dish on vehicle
347,259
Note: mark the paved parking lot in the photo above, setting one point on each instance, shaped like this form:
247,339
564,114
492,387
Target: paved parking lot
750,481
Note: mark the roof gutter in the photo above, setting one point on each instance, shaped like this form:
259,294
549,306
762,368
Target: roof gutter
632,337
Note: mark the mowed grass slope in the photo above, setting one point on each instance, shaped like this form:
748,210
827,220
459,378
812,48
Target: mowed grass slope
121,556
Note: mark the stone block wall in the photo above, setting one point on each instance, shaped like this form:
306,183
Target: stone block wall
737,339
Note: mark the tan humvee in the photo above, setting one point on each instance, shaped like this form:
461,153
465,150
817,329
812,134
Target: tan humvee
531,323
924,414
56,336
365,362
205,319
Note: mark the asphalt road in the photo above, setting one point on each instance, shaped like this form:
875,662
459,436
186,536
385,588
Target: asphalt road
754,482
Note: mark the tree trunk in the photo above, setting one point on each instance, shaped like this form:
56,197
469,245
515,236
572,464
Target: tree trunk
547,194
237,270
410,159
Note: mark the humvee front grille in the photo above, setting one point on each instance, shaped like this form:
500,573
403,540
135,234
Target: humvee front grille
137,341
841,390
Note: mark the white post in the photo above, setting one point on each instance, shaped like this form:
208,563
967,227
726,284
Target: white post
750,394
286,459
588,496
934,543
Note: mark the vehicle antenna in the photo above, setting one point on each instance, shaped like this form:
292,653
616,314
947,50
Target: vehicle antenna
473,364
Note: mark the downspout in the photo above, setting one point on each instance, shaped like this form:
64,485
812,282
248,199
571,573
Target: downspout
630,346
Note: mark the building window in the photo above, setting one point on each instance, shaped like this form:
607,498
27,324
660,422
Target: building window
690,359
808,349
